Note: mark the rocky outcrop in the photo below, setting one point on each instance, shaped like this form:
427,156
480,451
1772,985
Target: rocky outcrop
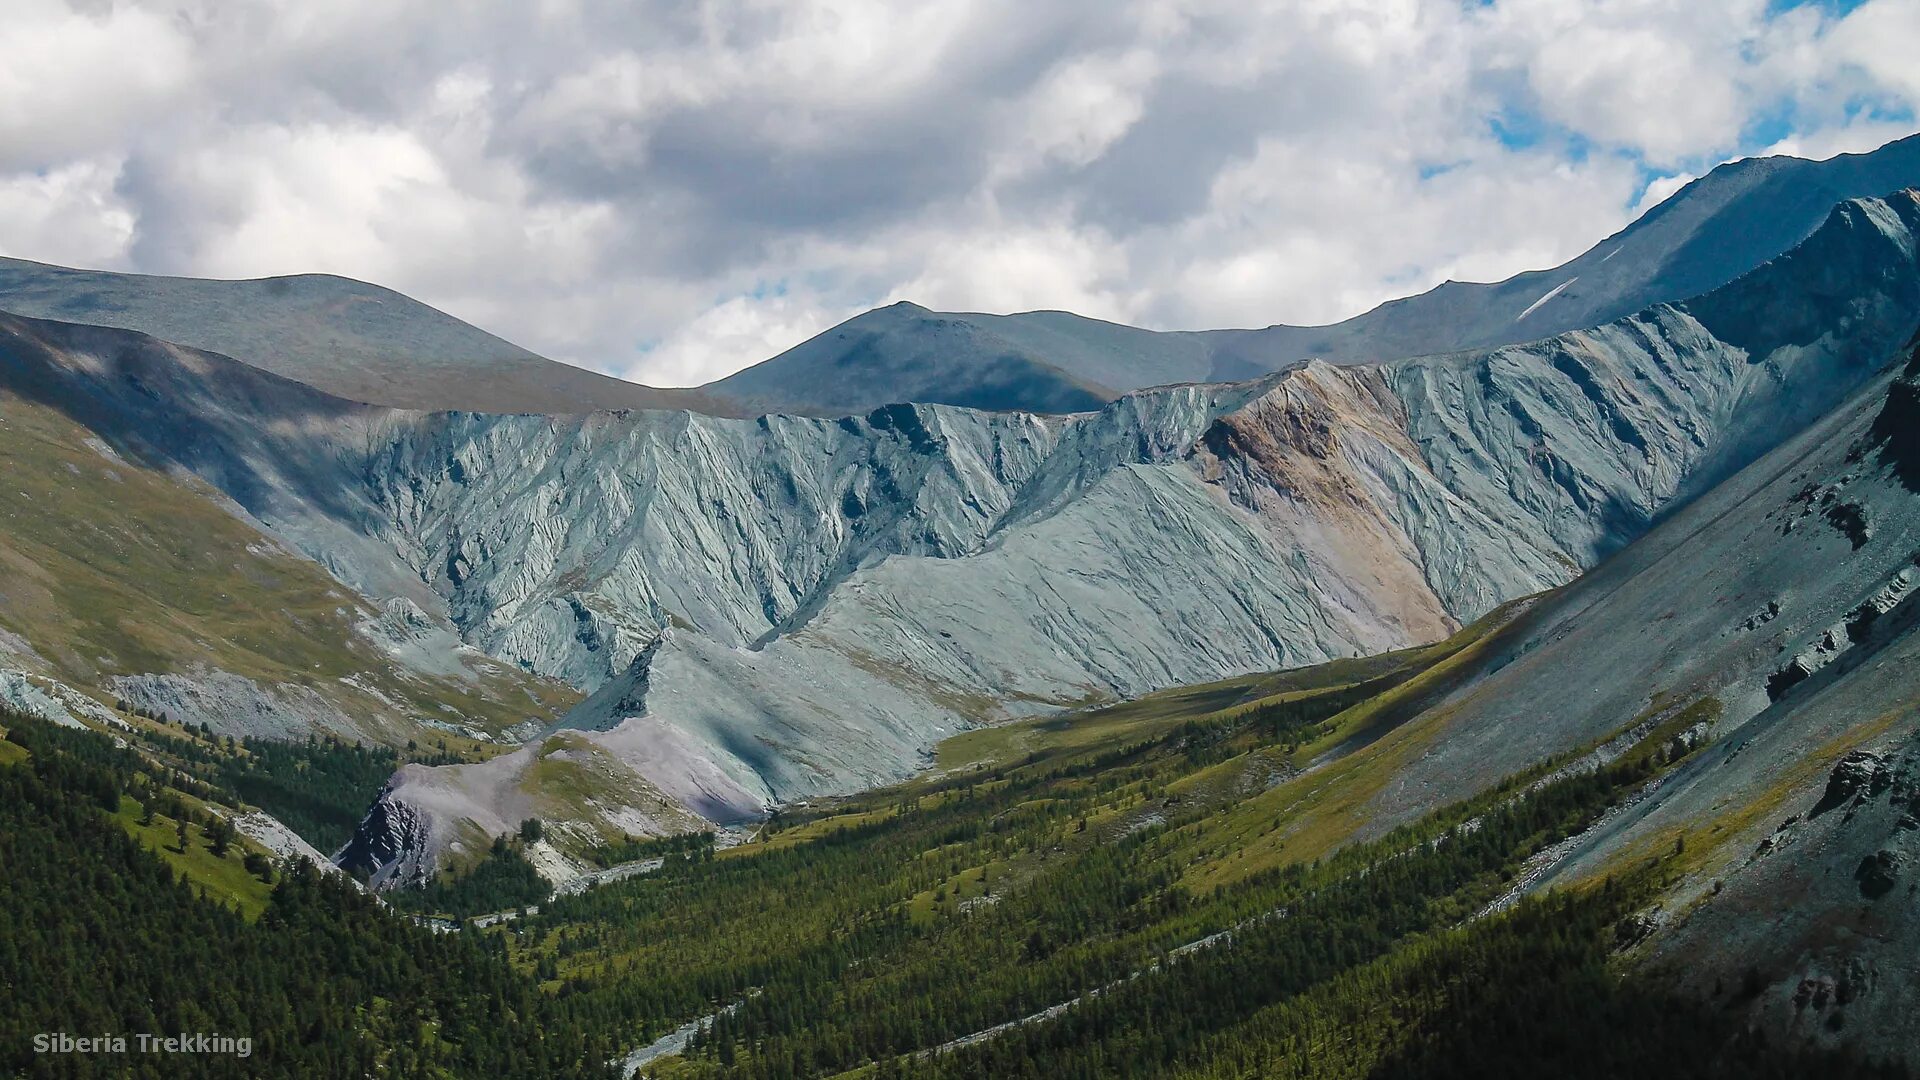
1861,626
393,845
1860,776
1896,430
1879,873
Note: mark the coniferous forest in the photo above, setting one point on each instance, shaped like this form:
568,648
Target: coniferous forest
1061,908
103,936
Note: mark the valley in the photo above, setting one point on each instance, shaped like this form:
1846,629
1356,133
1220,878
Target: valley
1257,703
734,604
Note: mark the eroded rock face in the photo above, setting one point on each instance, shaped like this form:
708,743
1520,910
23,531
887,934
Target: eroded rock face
812,603
234,705
17,691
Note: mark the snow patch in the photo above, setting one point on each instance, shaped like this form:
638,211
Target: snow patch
1550,294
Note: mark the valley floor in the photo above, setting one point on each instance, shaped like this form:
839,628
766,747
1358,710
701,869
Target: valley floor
1169,887
1175,886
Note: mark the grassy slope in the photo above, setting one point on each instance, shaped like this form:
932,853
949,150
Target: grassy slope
225,880
1060,738
574,780
1325,805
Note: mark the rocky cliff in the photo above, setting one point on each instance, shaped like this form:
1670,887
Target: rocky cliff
773,609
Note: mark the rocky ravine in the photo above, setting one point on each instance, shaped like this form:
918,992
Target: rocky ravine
769,609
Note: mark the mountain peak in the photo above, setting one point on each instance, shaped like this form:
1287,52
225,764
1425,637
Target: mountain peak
1710,232
349,338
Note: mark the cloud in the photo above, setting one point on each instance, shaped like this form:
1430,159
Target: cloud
1662,188
671,191
996,270
1664,79
70,215
736,332
1877,40
74,81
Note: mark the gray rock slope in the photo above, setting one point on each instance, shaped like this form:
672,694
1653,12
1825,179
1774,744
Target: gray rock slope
348,338
1712,231
769,609
1782,607
154,586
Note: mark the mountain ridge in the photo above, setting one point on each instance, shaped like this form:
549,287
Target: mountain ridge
407,355
662,686
355,340
1710,232
737,598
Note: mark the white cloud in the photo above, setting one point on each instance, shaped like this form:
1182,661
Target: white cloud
1666,79
734,334
1000,269
73,82
1078,111
1306,233
615,183
1662,188
1879,38
333,200
1856,136
69,215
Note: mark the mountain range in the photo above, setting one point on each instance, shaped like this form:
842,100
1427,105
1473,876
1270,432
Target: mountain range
1710,232
1673,479
368,344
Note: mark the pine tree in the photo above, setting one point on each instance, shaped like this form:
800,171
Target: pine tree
219,836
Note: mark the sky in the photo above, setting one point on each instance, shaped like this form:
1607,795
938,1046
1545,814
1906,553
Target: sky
671,190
